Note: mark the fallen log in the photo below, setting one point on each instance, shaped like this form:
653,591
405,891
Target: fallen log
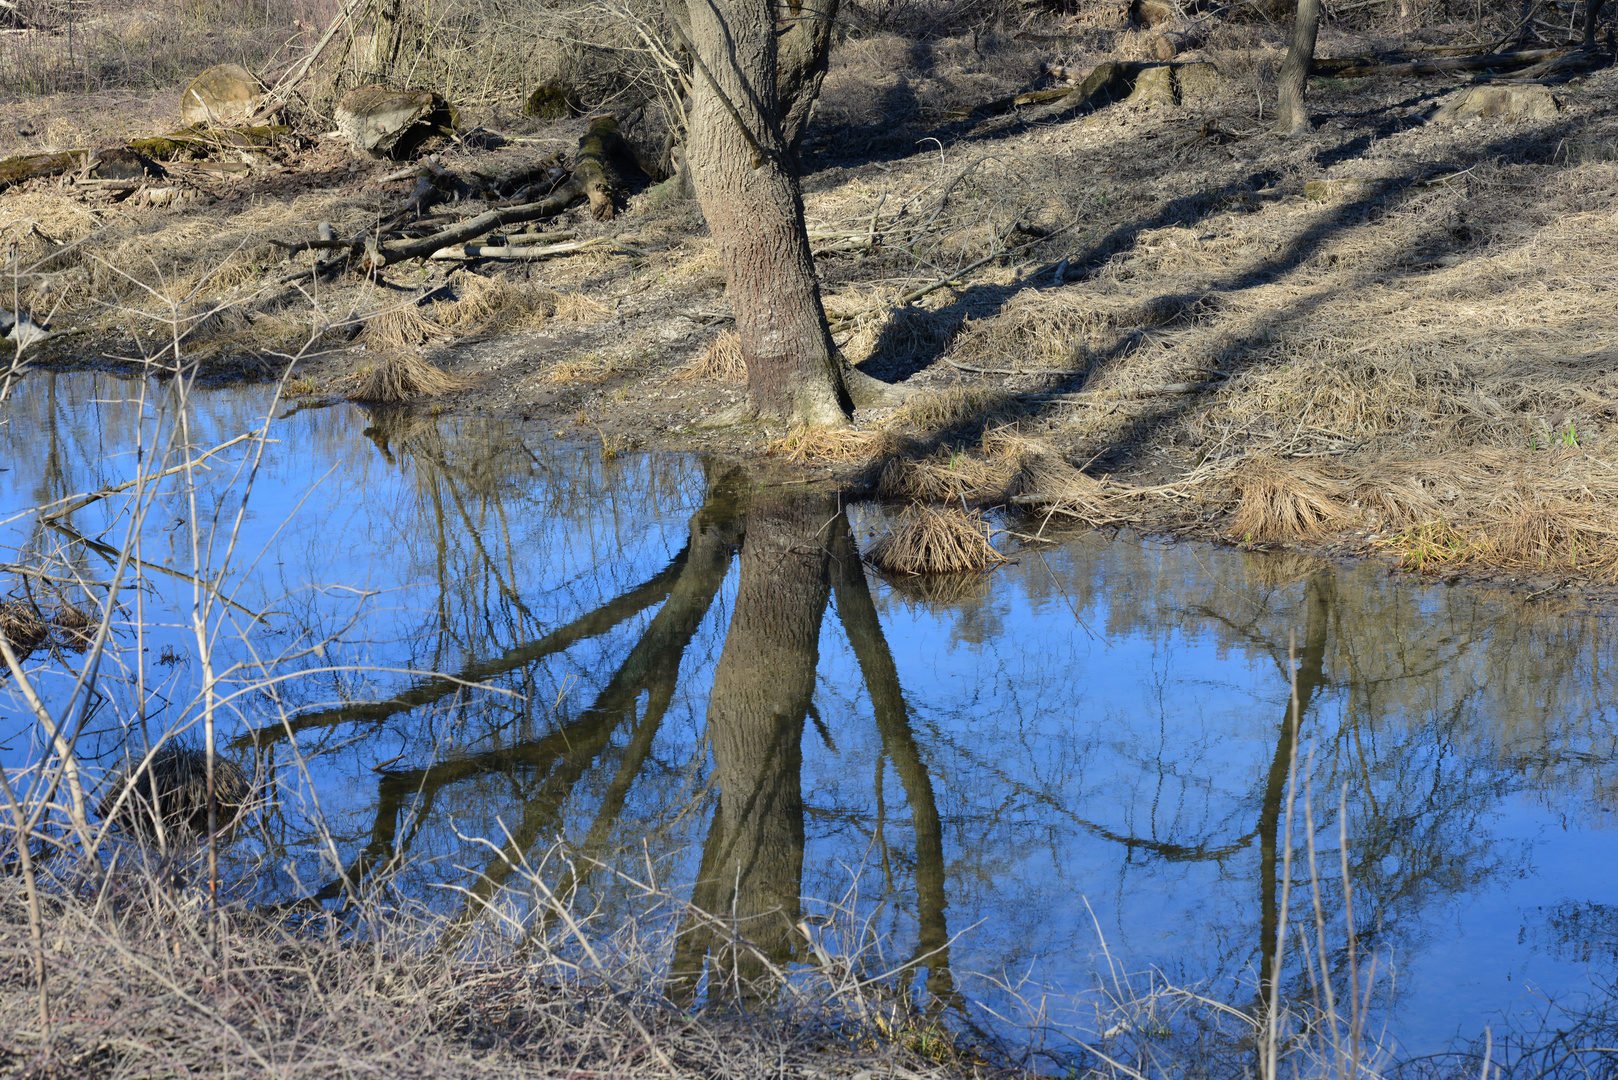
1365,68
594,172
16,170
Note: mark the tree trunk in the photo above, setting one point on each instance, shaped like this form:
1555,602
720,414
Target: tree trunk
758,68
1291,118
1592,15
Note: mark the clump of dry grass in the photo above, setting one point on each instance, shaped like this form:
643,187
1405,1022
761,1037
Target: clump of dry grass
898,335
950,475
178,775
806,445
22,627
953,408
929,540
721,361
493,303
400,328
1278,501
578,308
399,376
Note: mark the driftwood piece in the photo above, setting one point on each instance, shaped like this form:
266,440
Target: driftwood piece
1368,67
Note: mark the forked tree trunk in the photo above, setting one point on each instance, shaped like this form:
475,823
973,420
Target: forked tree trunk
758,68
1291,117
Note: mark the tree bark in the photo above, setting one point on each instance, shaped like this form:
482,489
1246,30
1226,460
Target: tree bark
758,68
1291,118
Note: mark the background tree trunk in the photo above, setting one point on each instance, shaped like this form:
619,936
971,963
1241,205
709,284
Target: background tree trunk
1290,115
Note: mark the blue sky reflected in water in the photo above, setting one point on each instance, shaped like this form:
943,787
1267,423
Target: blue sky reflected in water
1096,732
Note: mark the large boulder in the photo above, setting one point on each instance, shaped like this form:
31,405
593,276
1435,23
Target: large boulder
381,123
224,95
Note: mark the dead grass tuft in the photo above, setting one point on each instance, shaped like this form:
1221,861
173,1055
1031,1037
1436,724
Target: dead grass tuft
954,408
721,361
493,303
400,376
400,328
22,627
1279,501
902,335
929,540
578,308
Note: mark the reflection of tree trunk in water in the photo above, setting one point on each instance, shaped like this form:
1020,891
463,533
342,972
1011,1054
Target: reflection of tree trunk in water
752,864
1319,594
881,675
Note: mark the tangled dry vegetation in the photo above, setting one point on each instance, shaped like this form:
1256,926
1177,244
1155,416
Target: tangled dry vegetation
142,980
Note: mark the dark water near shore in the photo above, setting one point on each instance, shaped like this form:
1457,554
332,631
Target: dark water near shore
1080,756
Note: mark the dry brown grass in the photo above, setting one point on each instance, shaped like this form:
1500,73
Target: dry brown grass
577,307
492,303
22,627
934,540
1279,503
952,408
395,377
896,335
721,361
140,980
400,328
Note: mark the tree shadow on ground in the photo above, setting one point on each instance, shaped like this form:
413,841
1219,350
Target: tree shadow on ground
1178,307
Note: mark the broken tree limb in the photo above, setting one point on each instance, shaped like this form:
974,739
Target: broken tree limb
1367,67
472,228
592,168
511,251
593,178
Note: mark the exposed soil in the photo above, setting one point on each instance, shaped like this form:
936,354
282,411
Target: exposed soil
1391,337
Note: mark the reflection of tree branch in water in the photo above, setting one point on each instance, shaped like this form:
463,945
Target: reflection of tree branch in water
565,755
112,555
858,615
430,691
1319,594
652,666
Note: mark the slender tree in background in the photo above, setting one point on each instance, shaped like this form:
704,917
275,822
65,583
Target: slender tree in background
758,65
1291,117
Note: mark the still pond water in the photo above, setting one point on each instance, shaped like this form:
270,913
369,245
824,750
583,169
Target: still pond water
653,658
